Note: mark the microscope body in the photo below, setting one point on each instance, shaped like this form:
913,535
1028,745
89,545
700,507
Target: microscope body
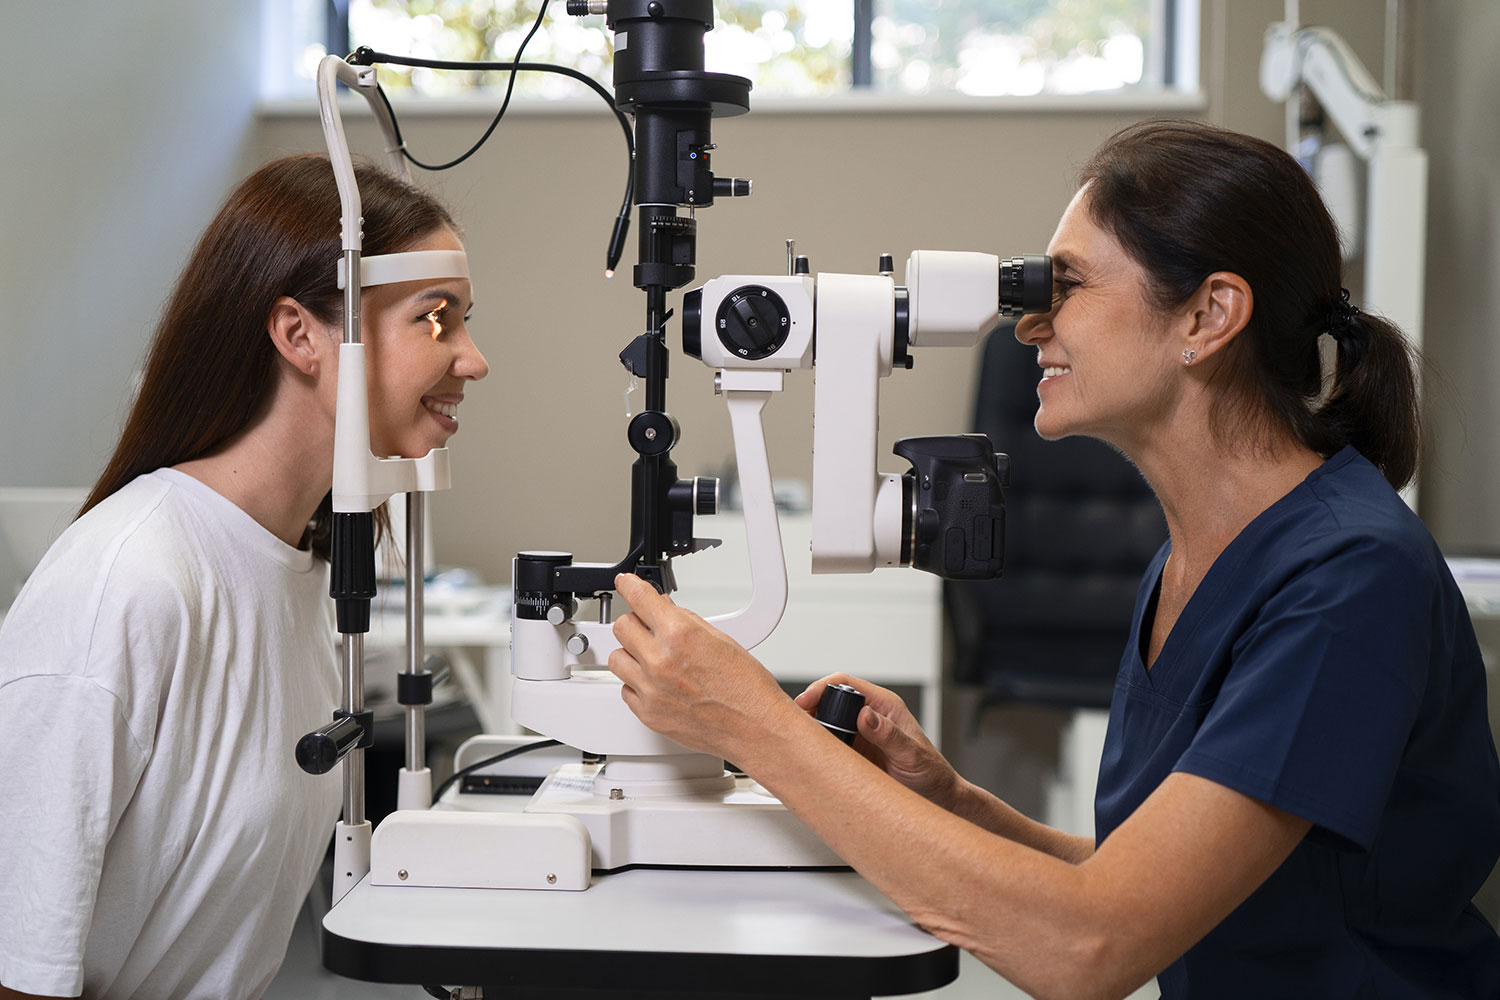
946,514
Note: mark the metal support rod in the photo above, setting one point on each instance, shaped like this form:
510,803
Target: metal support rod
354,703
416,563
351,297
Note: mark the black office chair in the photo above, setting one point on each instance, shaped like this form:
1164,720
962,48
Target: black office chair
1081,527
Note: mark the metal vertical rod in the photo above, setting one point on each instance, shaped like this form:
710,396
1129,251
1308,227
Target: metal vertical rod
416,563
351,296
354,703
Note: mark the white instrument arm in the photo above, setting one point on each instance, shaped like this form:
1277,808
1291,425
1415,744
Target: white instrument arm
1366,116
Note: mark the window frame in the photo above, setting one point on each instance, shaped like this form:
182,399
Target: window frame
1181,89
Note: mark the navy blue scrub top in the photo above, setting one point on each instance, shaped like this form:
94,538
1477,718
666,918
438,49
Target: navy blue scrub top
1326,665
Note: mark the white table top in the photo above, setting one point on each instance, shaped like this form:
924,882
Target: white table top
736,931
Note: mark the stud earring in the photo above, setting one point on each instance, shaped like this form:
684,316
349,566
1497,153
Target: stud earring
1188,356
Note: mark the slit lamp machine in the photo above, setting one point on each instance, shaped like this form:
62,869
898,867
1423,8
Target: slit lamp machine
652,802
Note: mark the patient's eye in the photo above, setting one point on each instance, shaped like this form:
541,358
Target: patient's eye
435,317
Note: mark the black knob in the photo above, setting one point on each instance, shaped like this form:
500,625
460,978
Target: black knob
692,323
731,187
753,322
535,583
1026,284
801,266
838,710
887,264
706,495
319,751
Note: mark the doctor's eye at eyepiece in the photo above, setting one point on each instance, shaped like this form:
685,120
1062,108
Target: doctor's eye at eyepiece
1025,284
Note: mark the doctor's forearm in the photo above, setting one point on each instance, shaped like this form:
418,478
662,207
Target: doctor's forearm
1023,912
988,811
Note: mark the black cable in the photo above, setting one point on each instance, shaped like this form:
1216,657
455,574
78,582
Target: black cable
513,752
509,86
366,56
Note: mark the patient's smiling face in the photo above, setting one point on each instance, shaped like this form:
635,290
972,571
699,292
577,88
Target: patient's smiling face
420,357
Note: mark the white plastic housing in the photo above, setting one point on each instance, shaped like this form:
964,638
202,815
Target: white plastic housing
856,336
466,850
586,710
362,482
411,265
741,826
360,80
414,788
351,856
954,297
794,290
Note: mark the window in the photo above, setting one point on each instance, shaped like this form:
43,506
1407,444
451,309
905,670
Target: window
803,48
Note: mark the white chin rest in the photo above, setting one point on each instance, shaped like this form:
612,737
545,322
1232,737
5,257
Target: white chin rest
386,269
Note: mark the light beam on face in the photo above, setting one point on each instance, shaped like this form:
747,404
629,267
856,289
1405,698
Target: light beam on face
437,324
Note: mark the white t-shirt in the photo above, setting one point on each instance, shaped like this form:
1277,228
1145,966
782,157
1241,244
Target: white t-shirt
156,834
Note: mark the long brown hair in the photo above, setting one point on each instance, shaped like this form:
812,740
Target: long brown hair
211,366
1187,199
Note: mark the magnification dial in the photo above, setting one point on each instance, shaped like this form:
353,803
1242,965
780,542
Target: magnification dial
753,322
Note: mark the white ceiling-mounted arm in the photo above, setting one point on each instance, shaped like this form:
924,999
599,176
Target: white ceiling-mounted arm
1366,116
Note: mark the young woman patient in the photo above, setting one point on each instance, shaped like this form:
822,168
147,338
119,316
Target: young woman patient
161,663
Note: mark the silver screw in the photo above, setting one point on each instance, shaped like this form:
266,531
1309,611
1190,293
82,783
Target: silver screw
401,874
616,793
551,879
650,433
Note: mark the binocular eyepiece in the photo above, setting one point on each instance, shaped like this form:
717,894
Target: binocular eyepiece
1025,284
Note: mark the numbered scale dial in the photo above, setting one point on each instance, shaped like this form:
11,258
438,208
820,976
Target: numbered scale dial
753,322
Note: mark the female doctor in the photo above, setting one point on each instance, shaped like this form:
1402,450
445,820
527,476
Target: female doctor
162,661
1299,795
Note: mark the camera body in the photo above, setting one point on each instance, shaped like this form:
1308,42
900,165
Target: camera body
956,491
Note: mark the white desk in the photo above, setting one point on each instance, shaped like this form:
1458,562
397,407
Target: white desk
643,932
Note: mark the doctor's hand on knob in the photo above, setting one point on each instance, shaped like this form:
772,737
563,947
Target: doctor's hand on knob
891,738
692,683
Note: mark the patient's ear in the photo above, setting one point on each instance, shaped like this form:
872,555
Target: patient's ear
299,337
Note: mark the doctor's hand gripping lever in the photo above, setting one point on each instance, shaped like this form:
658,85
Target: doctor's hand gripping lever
361,482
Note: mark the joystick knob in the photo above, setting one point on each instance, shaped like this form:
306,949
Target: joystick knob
838,710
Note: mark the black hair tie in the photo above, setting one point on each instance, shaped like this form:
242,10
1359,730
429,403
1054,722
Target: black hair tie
1340,318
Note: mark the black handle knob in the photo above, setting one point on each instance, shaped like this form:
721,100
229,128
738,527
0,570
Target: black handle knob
705,495
319,751
838,710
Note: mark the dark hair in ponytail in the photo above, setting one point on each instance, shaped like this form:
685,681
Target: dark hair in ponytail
211,367
1187,199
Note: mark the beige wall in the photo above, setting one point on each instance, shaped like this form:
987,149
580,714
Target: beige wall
1457,80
